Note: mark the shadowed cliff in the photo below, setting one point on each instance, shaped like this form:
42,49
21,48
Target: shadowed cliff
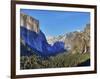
35,39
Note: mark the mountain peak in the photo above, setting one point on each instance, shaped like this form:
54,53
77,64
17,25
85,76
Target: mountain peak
29,22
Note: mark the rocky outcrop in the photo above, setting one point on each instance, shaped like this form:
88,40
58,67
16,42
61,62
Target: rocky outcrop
75,42
34,39
29,22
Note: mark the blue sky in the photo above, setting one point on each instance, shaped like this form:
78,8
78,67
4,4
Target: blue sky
54,23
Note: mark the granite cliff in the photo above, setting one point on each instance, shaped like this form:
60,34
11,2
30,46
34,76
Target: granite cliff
29,22
33,39
77,41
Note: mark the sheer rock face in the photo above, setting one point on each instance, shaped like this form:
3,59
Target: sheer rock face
29,22
33,38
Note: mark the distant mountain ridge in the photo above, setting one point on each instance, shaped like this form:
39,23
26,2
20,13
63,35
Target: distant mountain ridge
33,38
77,41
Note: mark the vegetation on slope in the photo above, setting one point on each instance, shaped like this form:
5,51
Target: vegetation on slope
78,54
61,60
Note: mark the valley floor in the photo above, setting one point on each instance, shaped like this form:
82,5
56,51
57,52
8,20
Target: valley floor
60,60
